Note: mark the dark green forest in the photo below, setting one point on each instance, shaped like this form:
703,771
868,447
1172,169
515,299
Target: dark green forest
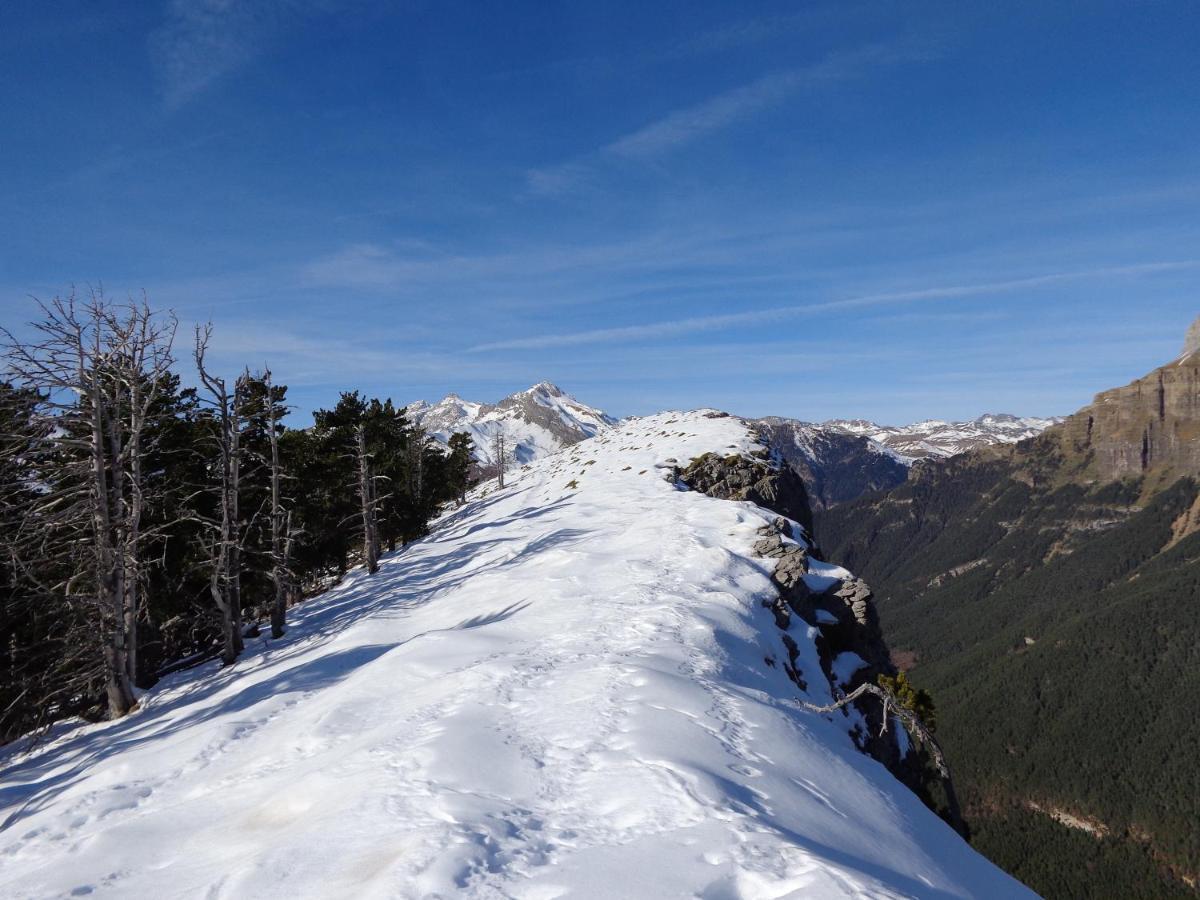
1056,624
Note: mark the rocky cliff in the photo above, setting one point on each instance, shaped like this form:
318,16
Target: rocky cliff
1149,426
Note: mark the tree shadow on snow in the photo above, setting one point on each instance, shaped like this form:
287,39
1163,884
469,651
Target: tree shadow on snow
407,579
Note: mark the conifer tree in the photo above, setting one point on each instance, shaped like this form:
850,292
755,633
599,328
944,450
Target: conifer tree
458,469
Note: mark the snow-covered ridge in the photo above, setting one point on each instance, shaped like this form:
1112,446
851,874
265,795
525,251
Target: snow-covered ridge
562,692
535,422
935,437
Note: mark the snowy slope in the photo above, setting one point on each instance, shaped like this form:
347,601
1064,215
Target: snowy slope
560,693
535,422
934,437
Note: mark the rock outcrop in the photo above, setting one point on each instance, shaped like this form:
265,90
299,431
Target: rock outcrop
762,480
1151,426
1191,341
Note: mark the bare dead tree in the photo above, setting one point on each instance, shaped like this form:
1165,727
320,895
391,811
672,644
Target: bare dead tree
237,460
100,369
367,500
281,521
144,351
916,728
225,545
500,455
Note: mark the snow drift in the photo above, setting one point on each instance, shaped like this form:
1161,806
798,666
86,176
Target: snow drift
561,692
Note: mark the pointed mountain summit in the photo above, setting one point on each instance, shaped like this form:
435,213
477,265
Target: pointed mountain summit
536,421
1191,341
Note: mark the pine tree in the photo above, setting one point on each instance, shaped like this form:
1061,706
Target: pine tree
458,471
343,431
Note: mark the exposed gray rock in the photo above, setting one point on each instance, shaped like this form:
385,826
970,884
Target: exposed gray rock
855,593
791,568
770,546
1191,342
739,477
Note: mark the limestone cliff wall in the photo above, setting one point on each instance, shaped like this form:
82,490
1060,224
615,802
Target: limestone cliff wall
1149,426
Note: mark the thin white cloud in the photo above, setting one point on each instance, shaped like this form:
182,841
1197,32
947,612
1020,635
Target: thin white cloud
686,125
201,41
694,324
683,126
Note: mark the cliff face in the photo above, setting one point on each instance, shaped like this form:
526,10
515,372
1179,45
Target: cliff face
1151,425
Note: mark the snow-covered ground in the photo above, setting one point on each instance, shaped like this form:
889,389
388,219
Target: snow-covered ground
561,693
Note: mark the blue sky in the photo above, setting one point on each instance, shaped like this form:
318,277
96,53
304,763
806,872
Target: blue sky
887,210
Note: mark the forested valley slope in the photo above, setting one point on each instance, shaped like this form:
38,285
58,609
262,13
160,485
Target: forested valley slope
1047,595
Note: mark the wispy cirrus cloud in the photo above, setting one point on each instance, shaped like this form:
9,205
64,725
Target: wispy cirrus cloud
694,324
201,41
683,126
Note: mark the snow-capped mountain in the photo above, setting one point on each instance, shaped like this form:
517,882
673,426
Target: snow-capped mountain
535,422
580,685
933,438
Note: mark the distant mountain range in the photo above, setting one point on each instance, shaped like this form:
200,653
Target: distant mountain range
838,460
535,422
934,437
843,459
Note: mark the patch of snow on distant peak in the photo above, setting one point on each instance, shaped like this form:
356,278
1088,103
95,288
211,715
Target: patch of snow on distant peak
939,438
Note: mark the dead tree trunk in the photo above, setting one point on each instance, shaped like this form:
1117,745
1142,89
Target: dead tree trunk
366,494
221,549
234,558
500,453
109,586
281,523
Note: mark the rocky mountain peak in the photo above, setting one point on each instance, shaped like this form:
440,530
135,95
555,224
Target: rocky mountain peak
536,421
1191,341
546,387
